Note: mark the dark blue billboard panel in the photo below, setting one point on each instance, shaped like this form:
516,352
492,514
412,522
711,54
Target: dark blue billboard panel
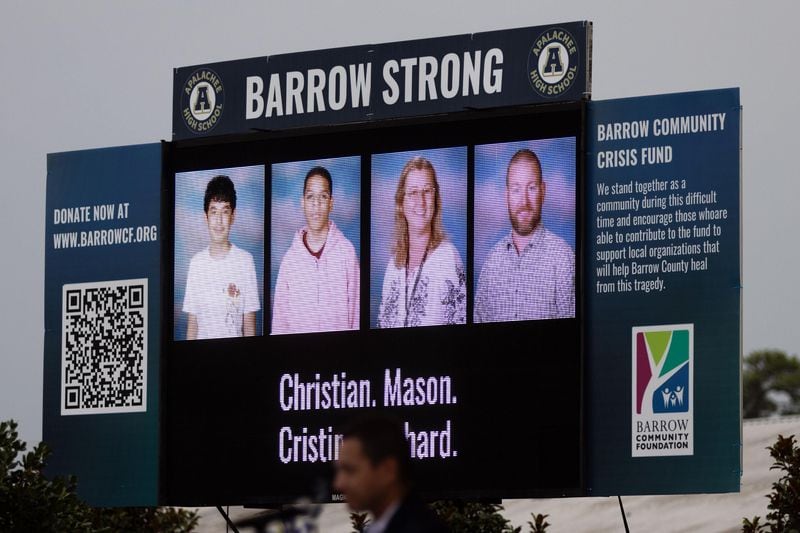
102,322
542,64
663,294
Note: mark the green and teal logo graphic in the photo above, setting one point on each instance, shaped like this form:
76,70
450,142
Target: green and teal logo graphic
662,421
662,369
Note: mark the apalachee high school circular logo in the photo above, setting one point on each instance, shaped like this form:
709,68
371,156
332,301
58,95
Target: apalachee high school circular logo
553,63
202,99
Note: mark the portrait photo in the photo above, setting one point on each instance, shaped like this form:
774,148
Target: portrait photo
315,245
524,230
219,253
418,238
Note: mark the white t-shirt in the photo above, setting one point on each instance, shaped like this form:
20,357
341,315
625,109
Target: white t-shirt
219,291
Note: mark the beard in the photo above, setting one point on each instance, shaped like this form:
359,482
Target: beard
521,225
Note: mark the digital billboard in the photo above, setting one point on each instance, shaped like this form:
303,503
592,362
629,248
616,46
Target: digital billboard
544,290
404,274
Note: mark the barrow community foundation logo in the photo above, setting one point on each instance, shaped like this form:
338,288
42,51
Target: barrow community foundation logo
553,63
662,390
202,100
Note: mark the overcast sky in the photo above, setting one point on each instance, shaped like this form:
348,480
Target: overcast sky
77,75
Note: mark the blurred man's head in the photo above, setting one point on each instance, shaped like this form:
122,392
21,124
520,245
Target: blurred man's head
374,463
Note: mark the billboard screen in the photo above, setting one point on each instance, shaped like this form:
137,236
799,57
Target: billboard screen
423,269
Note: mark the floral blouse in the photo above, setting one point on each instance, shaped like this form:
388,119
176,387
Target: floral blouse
431,295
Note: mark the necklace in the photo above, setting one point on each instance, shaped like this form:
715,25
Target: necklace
414,288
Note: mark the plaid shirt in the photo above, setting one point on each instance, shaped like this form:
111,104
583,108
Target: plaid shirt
536,284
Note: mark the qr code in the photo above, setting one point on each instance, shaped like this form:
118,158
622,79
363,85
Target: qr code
104,347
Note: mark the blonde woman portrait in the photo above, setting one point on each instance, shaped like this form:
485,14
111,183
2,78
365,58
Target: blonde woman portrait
424,281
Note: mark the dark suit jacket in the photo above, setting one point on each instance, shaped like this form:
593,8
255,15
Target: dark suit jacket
414,516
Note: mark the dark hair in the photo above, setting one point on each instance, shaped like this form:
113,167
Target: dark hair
528,156
220,189
382,437
318,171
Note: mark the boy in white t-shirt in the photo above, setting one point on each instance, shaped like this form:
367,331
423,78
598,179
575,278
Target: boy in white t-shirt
221,288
